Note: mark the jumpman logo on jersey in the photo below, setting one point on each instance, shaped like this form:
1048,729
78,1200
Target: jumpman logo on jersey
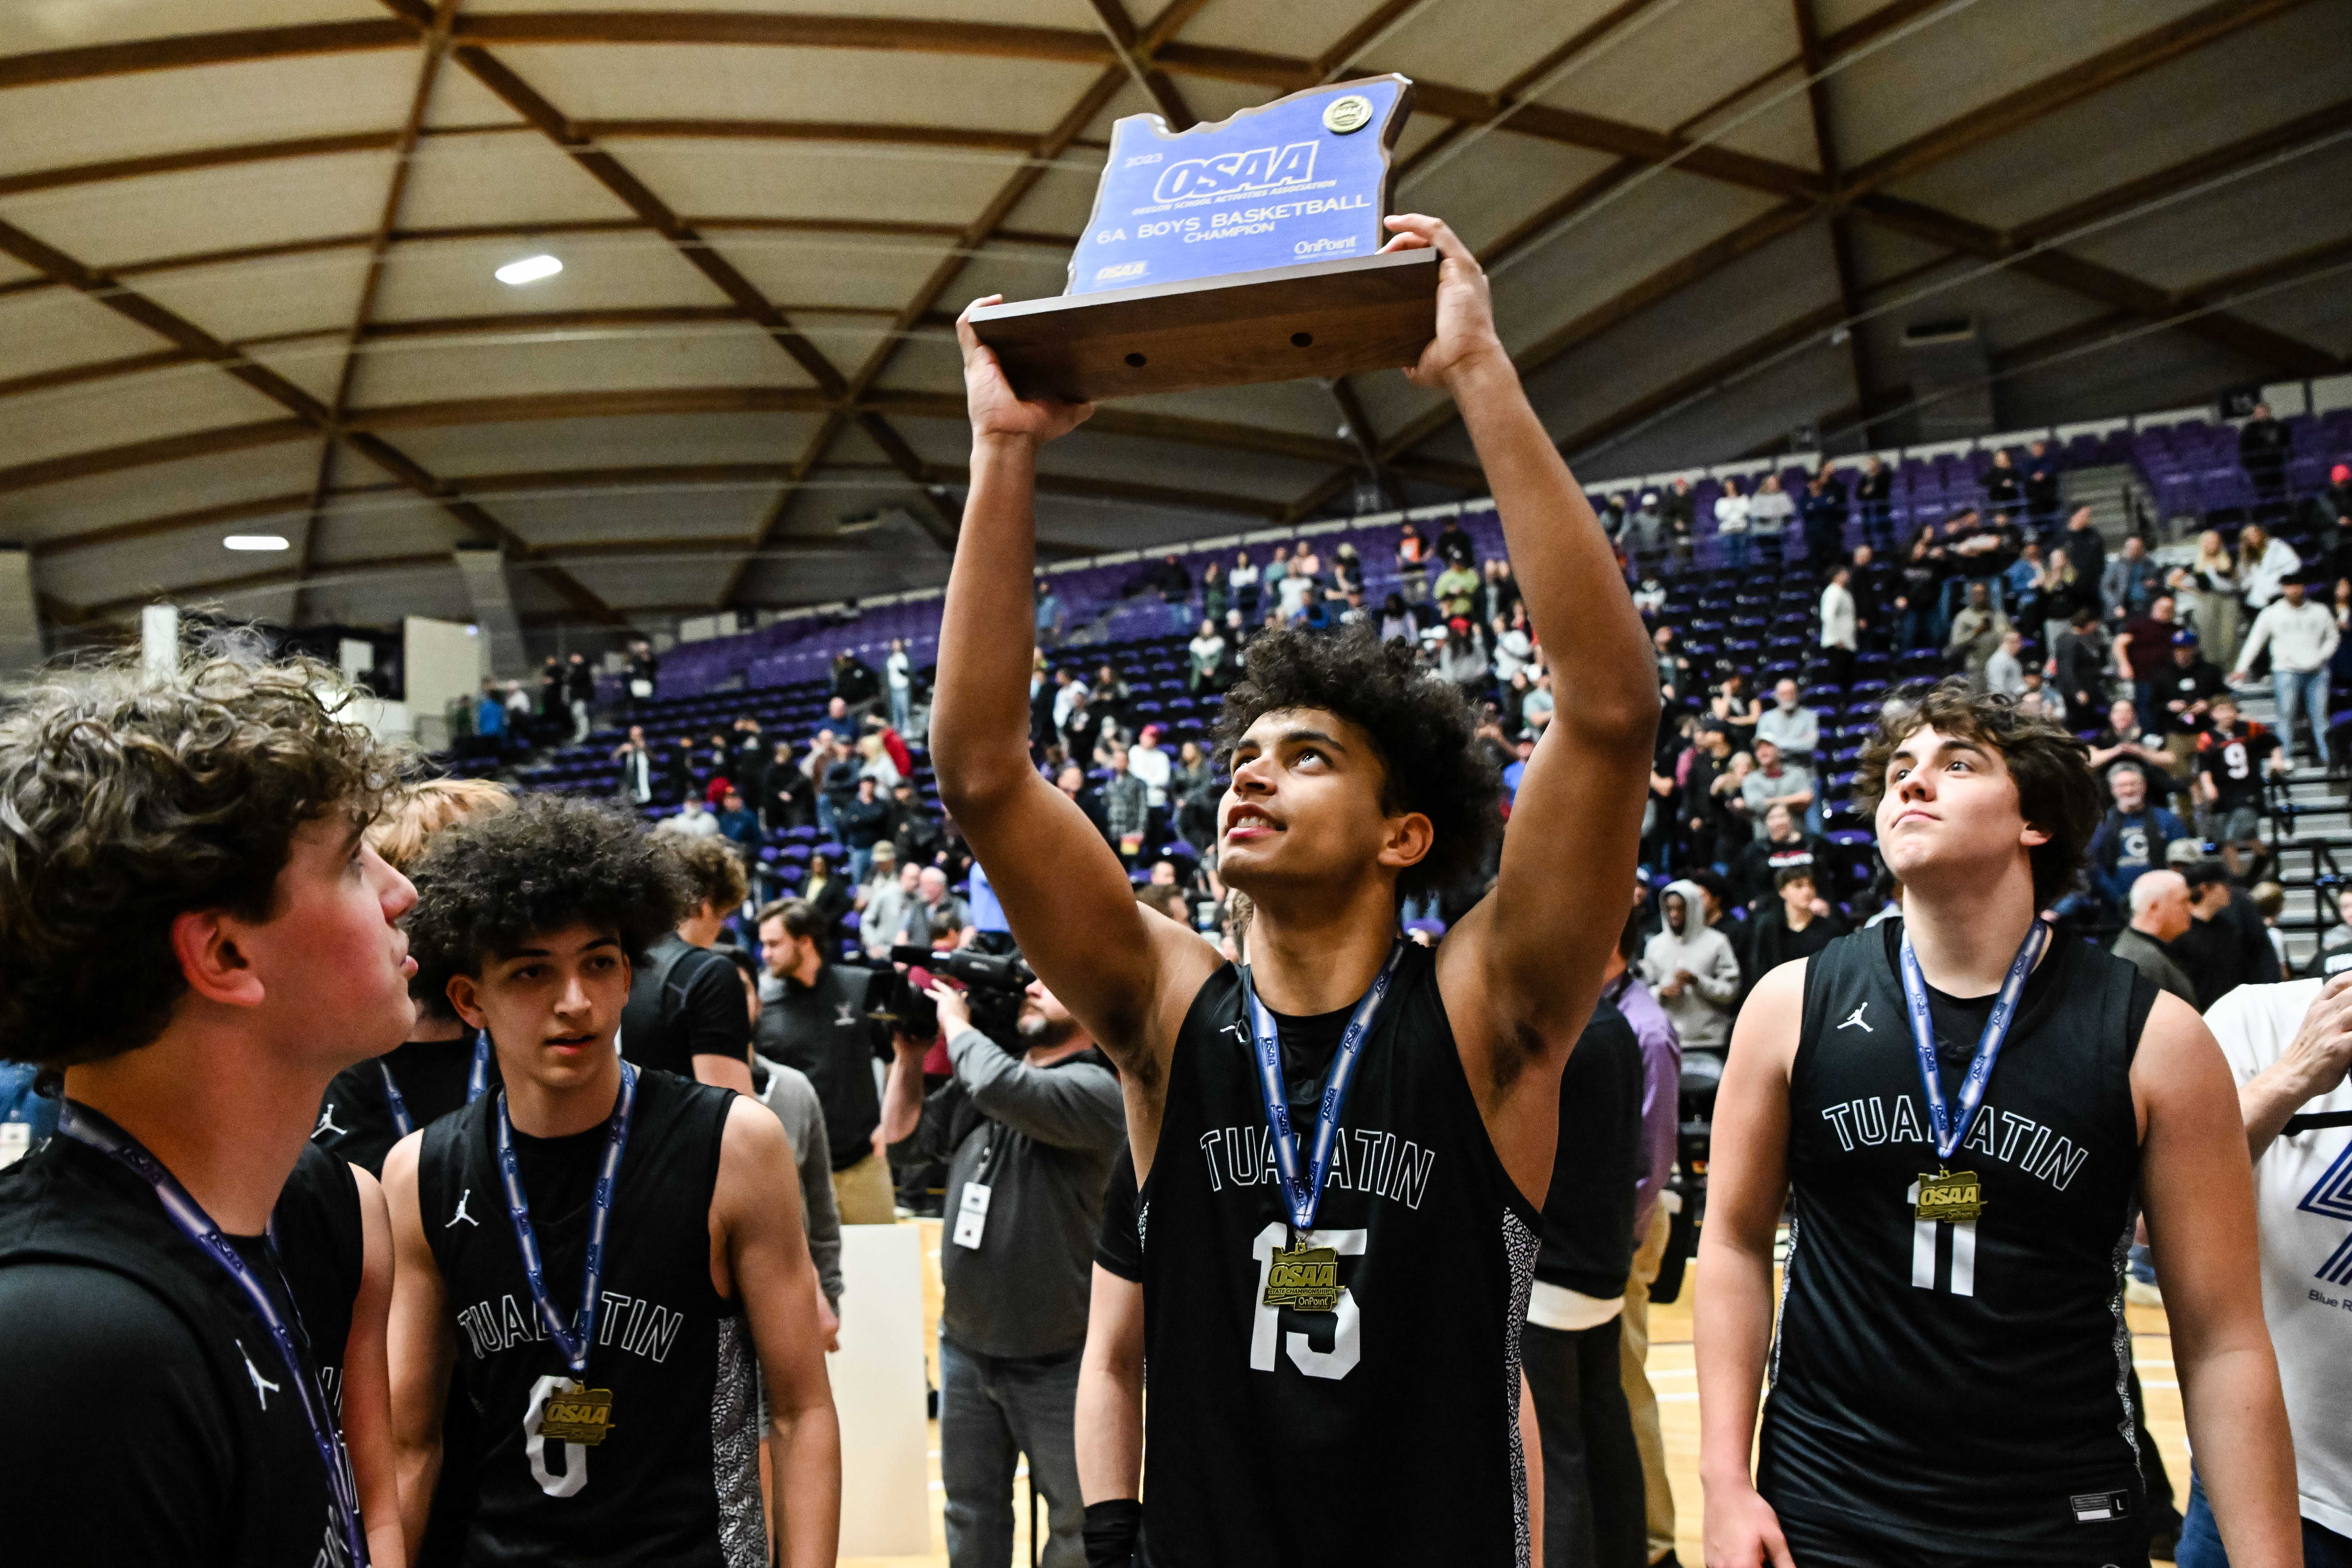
848,1014
326,1121
461,1213
262,1387
1855,1022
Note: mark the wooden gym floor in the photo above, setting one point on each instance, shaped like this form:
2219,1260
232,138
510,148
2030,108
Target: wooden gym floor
1671,1373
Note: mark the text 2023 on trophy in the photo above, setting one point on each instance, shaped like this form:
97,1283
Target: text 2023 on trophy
1244,251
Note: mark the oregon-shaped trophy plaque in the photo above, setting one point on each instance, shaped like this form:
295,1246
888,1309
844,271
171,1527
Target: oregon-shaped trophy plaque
1243,251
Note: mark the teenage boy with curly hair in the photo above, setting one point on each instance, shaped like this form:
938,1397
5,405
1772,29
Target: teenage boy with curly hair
195,934
1339,1198
1970,1114
609,1257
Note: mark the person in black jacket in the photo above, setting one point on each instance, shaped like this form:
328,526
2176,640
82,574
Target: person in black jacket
2226,945
1756,870
2040,483
2004,487
1873,492
1798,926
786,797
1594,1508
2263,445
854,682
686,1012
817,1016
579,692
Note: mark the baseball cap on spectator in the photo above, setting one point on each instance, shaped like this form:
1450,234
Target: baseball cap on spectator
2184,639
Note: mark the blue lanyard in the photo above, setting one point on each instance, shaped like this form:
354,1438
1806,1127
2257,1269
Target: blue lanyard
1304,1194
1950,1134
573,1344
86,1126
476,1082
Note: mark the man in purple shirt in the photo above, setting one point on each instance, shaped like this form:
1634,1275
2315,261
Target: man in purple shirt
1662,1073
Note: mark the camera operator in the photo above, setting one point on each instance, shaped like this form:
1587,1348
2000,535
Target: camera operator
816,1016
1030,1139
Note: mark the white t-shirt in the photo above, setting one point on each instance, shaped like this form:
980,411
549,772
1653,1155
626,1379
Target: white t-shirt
898,665
2303,1202
1149,764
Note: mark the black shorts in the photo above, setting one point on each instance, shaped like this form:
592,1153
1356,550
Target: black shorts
1817,1545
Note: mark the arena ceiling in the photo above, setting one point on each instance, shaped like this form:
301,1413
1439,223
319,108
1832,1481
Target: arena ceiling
247,251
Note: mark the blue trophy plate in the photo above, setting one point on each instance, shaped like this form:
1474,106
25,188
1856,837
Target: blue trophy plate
1244,251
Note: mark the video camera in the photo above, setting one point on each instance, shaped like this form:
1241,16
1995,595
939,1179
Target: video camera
994,987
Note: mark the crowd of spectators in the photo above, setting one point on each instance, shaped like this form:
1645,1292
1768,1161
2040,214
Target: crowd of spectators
1769,665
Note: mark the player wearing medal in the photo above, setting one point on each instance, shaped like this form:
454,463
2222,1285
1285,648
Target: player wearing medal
194,931
1343,1148
1969,1117
603,1254
442,1065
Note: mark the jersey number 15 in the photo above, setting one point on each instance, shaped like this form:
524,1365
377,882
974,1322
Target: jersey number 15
1347,1330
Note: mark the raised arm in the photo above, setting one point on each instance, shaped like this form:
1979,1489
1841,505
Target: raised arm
420,1347
1525,964
1064,894
1747,1181
2199,1195
2313,1064
367,1384
756,1230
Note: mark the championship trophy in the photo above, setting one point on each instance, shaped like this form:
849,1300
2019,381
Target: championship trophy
1243,251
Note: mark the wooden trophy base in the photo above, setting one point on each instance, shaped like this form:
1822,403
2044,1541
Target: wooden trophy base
1318,318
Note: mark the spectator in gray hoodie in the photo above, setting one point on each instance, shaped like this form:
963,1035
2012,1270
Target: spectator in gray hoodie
1691,968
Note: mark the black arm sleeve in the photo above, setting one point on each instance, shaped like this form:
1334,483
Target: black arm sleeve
115,1433
717,1020
1119,1249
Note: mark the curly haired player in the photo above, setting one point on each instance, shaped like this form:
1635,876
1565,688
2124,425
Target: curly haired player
195,933
610,1258
1343,1147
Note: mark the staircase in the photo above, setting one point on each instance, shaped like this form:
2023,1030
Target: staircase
2108,491
2312,849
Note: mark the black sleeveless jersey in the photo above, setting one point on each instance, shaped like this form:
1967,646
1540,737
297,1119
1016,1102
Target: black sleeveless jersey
323,1246
676,1482
1960,1387
235,1471
355,1119
1386,1431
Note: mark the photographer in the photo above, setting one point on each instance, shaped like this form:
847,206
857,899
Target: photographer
1030,1140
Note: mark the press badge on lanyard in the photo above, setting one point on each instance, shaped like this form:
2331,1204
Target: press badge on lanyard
971,1214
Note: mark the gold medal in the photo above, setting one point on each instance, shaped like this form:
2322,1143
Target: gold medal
1305,1279
577,1415
1955,1196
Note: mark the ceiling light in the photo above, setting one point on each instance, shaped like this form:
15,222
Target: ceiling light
255,542
530,269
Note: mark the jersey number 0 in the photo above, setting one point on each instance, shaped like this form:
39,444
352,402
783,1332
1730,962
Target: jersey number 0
1347,1331
534,1444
